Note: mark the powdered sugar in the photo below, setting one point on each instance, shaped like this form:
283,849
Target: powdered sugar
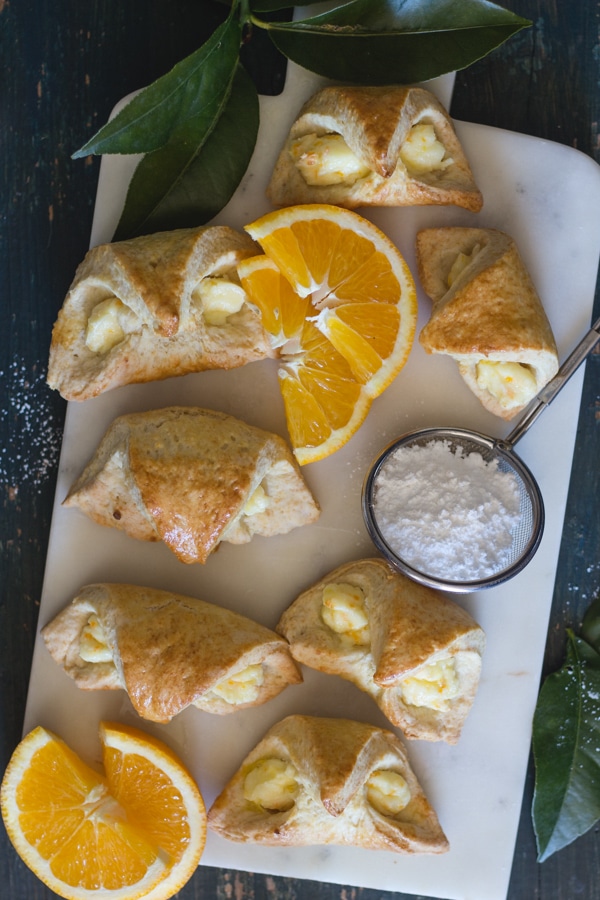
33,438
450,515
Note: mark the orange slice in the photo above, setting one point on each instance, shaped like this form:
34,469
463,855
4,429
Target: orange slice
340,304
136,830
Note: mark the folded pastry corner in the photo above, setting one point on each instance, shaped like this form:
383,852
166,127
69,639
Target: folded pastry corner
417,653
373,146
153,307
487,315
168,651
192,478
316,780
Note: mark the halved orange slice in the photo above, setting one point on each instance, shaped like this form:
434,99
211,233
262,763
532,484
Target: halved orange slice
340,304
136,830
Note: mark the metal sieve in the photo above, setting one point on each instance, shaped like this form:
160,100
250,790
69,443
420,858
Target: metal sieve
527,533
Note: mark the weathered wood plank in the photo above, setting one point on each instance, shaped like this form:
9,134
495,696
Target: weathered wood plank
65,64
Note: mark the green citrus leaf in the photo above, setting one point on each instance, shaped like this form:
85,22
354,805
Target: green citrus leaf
195,89
188,181
566,749
590,628
262,6
395,41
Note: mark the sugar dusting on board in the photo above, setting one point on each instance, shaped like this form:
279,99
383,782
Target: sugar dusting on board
447,514
31,455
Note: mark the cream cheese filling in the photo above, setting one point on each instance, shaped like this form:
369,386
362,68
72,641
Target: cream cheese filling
460,264
510,383
422,152
242,686
108,324
432,685
93,646
387,792
326,159
343,610
218,297
272,784
257,502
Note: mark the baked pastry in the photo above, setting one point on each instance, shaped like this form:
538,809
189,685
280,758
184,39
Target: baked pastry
486,315
328,781
412,649
192,478
168,651
373,146
152,307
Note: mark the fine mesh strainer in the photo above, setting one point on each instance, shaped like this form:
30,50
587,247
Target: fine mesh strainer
526,533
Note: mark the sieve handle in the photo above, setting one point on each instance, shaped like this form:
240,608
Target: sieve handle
549,392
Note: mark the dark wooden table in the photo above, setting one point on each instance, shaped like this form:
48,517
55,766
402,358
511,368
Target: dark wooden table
64,65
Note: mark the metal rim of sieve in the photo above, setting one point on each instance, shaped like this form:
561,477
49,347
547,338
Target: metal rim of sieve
526,537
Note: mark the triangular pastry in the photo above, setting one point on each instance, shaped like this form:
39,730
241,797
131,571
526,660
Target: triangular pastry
373,146
412,649
152,307
168,651
316,780
192,478
486,315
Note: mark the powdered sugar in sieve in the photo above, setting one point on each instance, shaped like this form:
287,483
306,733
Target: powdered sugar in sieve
460,510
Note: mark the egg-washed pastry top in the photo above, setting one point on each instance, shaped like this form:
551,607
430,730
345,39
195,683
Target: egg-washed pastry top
153,307
168,651
417,653
192,477
487,315
314,780
373,146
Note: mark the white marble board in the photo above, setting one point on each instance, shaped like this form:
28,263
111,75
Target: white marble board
548,197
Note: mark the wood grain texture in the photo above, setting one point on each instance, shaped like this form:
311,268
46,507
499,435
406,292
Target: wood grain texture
65,64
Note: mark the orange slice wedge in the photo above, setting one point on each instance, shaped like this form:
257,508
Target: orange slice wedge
340,304
136,830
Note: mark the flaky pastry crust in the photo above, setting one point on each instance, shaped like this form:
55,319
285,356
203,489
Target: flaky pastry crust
185,476
491,312
333,759
166,650
410,626
156,277
374,123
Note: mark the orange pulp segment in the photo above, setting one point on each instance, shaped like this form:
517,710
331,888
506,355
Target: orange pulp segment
339,302
136,830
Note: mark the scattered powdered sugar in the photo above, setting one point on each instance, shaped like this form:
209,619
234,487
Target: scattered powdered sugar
32,435
447,514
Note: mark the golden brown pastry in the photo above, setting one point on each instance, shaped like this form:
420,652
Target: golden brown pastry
155,306
328,781
412,649
373,146
192,478
168,651
486,315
